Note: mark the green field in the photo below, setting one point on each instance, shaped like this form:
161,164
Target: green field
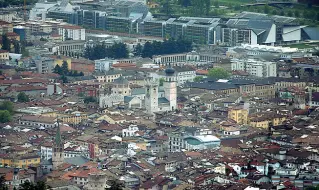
303,45
306,15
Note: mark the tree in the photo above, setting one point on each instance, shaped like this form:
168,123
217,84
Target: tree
297,13
22,97
216,4
17,48
5,116
185,3
40,185
117,50
218,73
7,105
274,12
266,9
147,50
138,50
64,79
290,14
81,74
5,42
313,188
58,70
89,99
207,6
65,68
198,78
43,39
161,81
115,185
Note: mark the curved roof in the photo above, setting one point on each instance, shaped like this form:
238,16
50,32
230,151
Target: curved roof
196,140
121,80
269,48
170,71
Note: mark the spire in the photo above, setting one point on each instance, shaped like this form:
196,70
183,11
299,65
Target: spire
58,139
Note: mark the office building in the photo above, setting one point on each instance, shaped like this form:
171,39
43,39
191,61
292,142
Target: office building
255,67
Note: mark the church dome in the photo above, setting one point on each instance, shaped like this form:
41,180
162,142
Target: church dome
170,71
121,80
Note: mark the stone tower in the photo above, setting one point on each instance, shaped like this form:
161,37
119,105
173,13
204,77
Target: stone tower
170,88
151,95
96,181
58,149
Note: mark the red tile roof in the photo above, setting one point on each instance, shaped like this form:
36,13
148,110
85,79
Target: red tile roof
22,81
202,72
12,34
26,88
3,51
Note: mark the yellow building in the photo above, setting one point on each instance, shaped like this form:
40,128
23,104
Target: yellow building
260,122
13,36
263,120
4,55
238,114
73,118
20,161
58,60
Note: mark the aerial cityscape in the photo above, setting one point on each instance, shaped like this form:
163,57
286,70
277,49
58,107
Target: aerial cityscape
159,94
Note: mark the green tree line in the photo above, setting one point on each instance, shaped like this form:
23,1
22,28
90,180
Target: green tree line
100,51
170,46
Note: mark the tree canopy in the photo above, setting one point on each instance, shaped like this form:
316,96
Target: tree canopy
22,97
64,70
170,46
100,51
89,99
7,105
198,78
40,185
218,73
6,112
5,42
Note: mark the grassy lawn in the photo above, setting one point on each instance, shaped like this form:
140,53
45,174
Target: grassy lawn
303,45
233,2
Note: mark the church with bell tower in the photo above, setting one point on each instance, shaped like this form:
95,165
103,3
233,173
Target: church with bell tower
156,103
58,150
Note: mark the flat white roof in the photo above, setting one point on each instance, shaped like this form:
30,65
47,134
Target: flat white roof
207,138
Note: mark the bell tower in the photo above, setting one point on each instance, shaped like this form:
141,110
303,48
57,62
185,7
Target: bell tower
170,88
151,95
58,149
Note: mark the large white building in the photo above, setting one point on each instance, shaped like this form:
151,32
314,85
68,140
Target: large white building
154,103
71,32
154,97
183,74
103,65
255,67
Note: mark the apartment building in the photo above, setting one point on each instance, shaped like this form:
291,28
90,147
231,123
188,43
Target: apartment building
6,16
5,27
71,32
238,114
4,54
255,67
